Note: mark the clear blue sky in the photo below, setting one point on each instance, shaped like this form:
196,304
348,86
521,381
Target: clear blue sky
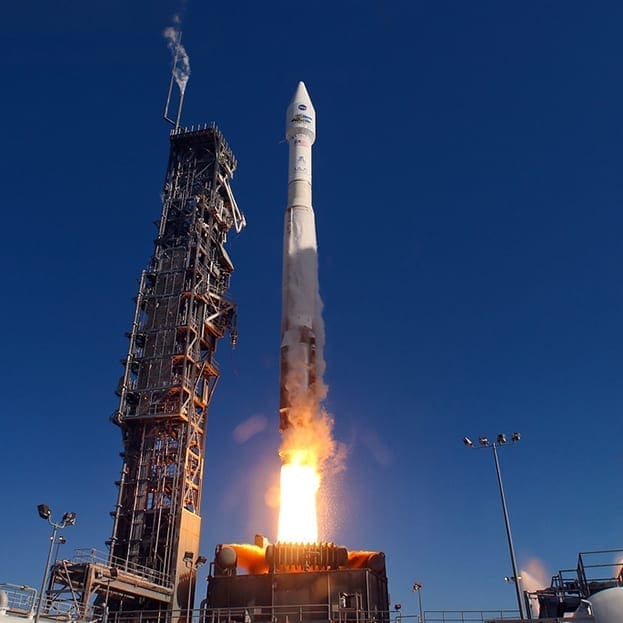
468,192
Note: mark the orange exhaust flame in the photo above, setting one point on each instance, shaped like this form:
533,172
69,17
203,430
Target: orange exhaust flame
366,560
250,557
294,558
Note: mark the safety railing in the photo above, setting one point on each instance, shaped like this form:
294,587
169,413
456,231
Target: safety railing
469,616
303,613
92,555
20,598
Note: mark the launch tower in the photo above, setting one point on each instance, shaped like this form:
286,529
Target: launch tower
170,372
169,377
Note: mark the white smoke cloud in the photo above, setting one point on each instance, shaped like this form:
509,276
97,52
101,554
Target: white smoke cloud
534,575
249,428
181,62
310,426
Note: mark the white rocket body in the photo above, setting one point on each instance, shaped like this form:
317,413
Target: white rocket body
300,299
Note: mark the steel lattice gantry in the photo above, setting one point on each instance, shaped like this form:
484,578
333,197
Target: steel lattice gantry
170,371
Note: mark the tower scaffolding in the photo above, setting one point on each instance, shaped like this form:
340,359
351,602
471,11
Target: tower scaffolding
170,374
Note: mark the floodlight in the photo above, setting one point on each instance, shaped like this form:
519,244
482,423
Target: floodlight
44,511
201,560
501,440
69,519
468,442
188,557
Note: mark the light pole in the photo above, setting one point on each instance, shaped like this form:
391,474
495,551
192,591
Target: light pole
69,519
502,441
417,588
192,574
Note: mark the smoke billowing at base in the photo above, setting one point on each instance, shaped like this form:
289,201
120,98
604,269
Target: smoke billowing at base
304,422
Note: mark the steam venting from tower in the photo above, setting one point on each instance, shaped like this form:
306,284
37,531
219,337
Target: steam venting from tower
180,69
179,56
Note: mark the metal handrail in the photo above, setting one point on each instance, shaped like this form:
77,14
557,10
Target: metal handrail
468,616
21,598
95,556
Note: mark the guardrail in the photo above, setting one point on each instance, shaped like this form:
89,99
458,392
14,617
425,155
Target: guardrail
92,555
469,616
21,598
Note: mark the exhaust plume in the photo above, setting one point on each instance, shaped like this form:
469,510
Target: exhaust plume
250,557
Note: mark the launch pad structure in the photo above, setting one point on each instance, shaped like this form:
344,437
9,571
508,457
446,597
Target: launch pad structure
296,582
170,374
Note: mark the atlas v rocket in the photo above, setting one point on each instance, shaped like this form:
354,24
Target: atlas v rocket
300,300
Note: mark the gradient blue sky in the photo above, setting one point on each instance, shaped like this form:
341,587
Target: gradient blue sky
468,191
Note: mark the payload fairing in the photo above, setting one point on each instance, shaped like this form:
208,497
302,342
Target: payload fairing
302,334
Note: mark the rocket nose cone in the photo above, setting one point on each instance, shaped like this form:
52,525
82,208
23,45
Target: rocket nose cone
301,116
301,96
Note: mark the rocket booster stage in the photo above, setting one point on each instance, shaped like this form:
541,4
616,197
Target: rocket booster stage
301,331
